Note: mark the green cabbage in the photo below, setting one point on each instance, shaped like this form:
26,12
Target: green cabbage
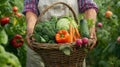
63,23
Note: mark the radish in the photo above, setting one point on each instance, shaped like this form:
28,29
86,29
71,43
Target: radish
79,42
85,40
99,24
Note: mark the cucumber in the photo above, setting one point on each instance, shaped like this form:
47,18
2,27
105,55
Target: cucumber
84,28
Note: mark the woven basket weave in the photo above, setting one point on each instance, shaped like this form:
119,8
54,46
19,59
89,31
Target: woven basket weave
51,54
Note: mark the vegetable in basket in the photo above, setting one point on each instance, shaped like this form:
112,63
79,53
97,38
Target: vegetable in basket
45,31
84,28
63,23
52,31
63,36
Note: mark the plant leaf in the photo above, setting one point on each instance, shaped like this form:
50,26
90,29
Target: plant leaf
66,49
3,37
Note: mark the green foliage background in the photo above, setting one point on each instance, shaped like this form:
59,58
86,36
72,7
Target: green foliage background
106,53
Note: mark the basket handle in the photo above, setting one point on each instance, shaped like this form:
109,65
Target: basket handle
70,8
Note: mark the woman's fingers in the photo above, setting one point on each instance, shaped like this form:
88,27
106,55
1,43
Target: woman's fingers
93,43
28,41
93,39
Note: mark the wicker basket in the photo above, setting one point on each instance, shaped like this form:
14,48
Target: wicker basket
51,54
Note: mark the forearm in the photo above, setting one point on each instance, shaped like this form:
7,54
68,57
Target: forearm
91,14
31,19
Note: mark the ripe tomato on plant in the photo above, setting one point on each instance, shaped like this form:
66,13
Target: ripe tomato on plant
18,14
17,41
4,21
108,14
15,9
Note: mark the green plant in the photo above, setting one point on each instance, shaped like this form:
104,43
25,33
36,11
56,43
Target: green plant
106,53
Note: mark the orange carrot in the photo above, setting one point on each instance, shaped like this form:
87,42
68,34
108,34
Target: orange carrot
74,37
77,33
71,32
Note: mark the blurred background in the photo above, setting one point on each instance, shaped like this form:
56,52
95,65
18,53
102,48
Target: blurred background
105,54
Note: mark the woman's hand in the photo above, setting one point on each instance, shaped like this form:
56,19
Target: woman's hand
28,40
93,39
31,21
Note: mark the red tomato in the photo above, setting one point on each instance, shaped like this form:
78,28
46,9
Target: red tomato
15,9
18,14
5,21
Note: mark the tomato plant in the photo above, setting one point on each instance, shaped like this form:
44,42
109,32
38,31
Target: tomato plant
12,22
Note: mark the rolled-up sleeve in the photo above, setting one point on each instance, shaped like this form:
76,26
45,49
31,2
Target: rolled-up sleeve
86,4
31,5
